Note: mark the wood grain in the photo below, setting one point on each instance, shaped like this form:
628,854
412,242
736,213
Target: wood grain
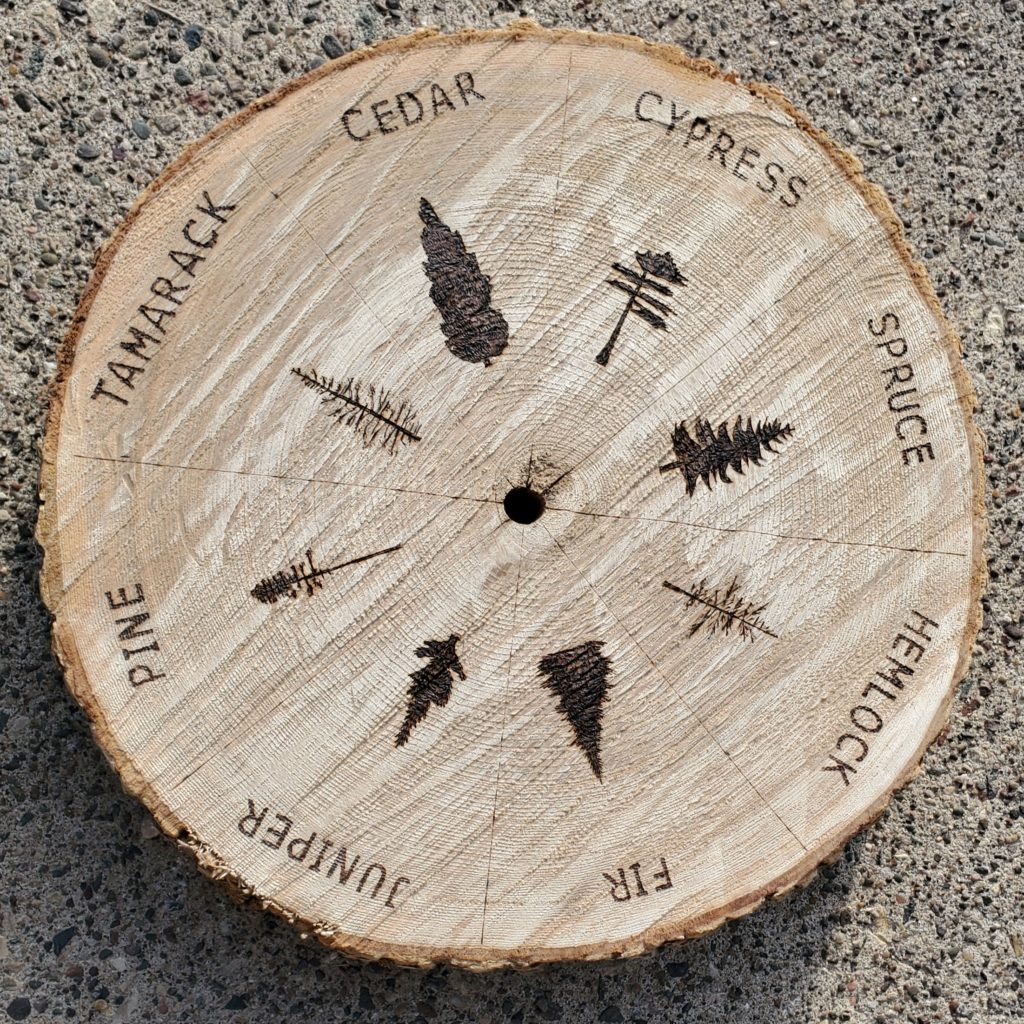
318,638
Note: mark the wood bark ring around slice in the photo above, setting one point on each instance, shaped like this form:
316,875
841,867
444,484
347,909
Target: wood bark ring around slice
512,497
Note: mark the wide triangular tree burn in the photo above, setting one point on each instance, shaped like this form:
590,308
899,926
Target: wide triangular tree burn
461,291
431,684
578,676
709,455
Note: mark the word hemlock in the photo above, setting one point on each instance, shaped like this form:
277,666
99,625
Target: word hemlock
910,643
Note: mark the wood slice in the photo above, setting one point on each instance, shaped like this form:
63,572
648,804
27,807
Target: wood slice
512,497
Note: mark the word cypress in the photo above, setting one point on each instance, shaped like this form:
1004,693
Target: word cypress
721,148
167,292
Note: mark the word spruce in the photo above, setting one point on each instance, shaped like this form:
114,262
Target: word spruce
901,392
167,294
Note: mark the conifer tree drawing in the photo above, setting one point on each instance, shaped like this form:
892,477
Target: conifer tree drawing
301,577
639,287
724,611
709,455
431,684
461,292
578,676
369,410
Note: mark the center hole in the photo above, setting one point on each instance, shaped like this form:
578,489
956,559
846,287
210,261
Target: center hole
523,505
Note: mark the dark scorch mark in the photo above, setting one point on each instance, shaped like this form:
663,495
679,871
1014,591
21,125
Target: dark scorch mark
461,292
578,676
431,684
639,287
370,410
724,611
709,455
300,577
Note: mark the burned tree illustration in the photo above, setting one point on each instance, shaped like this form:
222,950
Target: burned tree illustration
724,612
304,576
376,417
639,288
461,292
578,676
431,684
709,455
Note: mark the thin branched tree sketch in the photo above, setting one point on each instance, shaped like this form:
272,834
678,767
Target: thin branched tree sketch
304,576
370,410
723,610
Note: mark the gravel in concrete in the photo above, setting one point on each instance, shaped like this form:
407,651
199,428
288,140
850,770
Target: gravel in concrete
100,919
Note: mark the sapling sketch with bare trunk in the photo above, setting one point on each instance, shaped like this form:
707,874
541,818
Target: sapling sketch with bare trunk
723,610
305,575
639,287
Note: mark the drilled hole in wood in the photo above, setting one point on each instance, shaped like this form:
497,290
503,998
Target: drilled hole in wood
523,505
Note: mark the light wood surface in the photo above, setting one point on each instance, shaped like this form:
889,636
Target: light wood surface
322,350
